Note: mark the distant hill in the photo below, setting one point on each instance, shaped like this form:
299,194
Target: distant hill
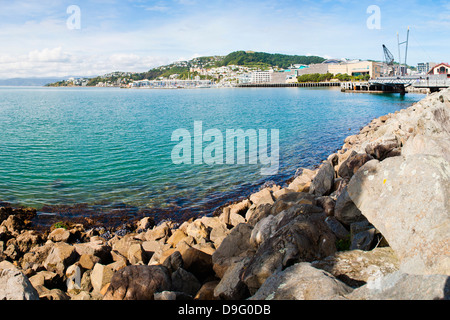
259,60
29,81
250,58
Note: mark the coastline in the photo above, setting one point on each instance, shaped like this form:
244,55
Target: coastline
320,221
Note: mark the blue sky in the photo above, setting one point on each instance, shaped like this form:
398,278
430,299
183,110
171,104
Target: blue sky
136,35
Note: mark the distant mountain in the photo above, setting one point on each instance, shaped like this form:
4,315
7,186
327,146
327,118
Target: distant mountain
30,81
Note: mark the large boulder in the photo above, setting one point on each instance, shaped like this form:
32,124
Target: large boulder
302,282
407,200
304,238
14,285
138,283
402,286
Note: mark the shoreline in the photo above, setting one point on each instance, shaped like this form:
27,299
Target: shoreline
324,219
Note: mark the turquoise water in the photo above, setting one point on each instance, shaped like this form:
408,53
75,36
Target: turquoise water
111,147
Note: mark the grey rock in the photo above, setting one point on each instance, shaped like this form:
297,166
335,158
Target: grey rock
345,210
231,287
402,286
302,282
323,182
406,199
184,281
14,285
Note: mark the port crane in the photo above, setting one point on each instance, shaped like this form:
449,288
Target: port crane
389,61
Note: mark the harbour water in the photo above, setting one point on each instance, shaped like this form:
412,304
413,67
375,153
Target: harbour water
111,148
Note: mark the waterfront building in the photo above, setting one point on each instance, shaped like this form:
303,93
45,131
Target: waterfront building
425,67
441,69
372,68
261,76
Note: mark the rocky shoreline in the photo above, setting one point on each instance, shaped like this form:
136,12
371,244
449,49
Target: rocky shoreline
372,222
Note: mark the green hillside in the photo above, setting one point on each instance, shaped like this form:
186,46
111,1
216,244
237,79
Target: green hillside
250,58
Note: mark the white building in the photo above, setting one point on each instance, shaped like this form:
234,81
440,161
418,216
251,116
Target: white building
261,76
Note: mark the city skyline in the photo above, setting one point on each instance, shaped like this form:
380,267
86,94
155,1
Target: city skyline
51,38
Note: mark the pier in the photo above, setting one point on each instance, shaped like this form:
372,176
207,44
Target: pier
297,84
398,84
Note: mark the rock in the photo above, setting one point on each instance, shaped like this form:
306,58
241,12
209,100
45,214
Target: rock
198,231
363,240
256,213
60,257
430,145
236,219
241,208
59,235
13,224
290,199
96,247
302,183
415,221
349,167
236,244
262,197
402,286
14,285
337,228
231,287
305,238
27,240
206,292
83,295
218,234
302,282
327,203
356,267
323,182
345,210
123,245
381,147
54,294
136,254
138,283
263,230
198,263
185,281
177,236
159,232
165,296
174,262
150,247
45,278
100,276
144,224
88,261
35,258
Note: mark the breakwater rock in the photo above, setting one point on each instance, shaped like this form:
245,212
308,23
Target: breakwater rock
372,222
